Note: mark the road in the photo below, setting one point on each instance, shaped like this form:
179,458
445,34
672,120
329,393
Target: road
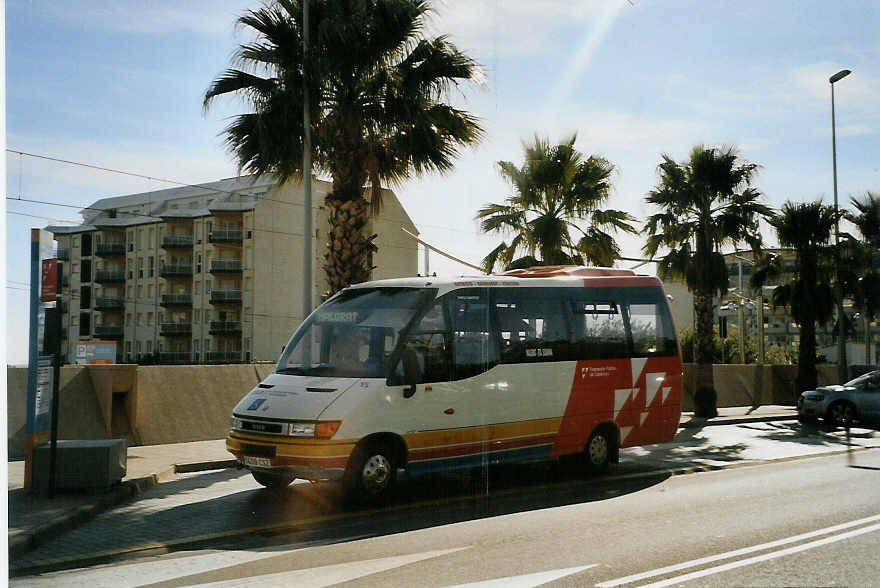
803,522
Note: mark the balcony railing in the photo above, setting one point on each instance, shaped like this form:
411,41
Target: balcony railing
222,296
177,242
225,236
106,248
224,327
175,357
108,331
103,276
177,299
109,303
176,270
63,254
175,329
223,357
219,266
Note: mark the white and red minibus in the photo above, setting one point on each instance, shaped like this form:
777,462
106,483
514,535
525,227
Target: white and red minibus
428,374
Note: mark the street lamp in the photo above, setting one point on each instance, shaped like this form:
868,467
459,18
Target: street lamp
841,343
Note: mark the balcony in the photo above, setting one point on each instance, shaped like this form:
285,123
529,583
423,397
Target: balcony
177,242
225,236
176,270
108,331
179,357
104,276
225,328
105,303
184,299
223,357
175,329
225,296
63,254
108,248
225,266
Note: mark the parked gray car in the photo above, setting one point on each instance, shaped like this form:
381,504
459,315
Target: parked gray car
858,399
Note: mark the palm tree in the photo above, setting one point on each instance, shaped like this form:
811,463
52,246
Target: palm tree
864,262
376,90
807,228
554,189
706,202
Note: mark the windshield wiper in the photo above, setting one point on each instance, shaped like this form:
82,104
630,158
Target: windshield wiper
292,371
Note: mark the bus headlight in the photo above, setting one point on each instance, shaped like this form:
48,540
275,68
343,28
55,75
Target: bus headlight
235,423
301,429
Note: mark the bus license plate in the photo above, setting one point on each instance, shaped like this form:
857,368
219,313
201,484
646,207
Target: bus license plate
263,462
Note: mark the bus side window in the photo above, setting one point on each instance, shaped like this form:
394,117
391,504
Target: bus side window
428,342
473,344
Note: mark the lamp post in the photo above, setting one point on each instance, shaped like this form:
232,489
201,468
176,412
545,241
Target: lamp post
841,337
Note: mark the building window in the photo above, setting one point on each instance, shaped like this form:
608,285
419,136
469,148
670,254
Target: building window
197,315
152,264
140,267
128,349
138,349
140,321
149,319
149,347
152,237
140,237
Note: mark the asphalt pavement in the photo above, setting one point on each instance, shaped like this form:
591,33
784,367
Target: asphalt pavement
765,434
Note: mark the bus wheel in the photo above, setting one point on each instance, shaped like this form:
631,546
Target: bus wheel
598,451
370,474
275,481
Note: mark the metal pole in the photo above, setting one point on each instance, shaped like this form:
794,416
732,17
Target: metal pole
742,326
761,356
56,377
308,279
427,261
841,342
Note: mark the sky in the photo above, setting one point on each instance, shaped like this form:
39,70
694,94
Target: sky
119,85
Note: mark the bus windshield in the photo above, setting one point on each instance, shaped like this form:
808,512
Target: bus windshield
353,334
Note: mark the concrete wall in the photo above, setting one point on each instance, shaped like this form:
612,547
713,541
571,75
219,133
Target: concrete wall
152,405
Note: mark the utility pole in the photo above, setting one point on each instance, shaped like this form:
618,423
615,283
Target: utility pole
307,182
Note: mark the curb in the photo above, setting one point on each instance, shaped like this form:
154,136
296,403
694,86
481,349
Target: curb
204,466
29,540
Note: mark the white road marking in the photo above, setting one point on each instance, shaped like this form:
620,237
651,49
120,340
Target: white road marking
146,572
332,574
527,580
764,557
736,553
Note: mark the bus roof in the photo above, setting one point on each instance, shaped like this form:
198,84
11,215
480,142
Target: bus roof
566,276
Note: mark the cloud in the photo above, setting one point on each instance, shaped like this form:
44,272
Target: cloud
157,17
513,27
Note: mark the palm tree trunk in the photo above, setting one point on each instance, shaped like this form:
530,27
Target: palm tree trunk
806,378
347,260
705,398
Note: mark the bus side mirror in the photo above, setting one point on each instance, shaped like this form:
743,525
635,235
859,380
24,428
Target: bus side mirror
412,371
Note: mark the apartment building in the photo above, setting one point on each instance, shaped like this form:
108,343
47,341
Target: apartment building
205,274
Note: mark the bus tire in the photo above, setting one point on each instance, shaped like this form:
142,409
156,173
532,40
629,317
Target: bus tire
371,473
598,450
273,481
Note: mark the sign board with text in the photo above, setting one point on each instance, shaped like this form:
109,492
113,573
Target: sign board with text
93,352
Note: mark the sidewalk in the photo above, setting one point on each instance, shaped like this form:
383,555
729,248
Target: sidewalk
34,519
